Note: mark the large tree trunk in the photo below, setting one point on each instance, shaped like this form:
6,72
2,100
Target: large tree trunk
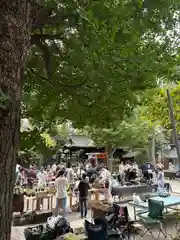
14,41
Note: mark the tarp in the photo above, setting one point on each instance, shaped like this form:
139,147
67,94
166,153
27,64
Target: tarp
172,154
131,154
80,141
146,166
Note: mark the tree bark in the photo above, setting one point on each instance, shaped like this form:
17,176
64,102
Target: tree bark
153,151
14,44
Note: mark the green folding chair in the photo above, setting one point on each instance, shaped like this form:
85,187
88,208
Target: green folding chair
153,217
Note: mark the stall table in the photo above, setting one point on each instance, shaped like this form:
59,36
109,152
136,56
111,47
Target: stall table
170,174
127,191
169,202
38,199
97,193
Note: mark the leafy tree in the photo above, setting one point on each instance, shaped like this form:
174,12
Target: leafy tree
44,144
84,62
98,60
133,131
158,110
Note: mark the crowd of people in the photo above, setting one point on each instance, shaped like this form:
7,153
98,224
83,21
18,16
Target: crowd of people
65,178
78,179
130,172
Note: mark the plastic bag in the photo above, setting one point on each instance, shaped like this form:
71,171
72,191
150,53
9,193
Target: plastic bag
136,199
53,221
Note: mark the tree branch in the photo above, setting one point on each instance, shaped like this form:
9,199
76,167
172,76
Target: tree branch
38,75
41,15
60,83
57,48
43,37
44,16
65,89
46,54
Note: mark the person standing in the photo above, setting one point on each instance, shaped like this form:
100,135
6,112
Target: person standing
83,188
21,177
121,177
41,178
54,166
160,178
70,175
61,183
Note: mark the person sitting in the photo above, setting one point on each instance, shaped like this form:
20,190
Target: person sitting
127,169
171,166
132,175
135,166
148,173
159,165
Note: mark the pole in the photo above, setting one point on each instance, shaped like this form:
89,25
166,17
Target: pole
173,122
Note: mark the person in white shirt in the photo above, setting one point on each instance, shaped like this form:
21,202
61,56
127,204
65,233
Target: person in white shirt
121,167
41,176
135,166
18,167
20,177
70,173
80,171
106,178
171,166
160,178
136,169
121,172
70,176
54,168
126,166
61,183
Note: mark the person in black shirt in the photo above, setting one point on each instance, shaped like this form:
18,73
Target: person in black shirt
83,188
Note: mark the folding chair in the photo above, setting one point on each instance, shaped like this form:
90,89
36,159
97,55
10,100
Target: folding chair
125,224
153,217
98,230
176,215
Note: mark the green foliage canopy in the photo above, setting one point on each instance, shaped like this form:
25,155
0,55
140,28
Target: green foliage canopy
89,59
134,131
158,110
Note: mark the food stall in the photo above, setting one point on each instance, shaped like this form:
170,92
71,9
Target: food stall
101,157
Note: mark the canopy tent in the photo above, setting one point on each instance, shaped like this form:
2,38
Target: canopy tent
79,141
172,154
131,154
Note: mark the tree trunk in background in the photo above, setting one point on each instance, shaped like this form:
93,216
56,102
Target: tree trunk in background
14,43
153,151
109,149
